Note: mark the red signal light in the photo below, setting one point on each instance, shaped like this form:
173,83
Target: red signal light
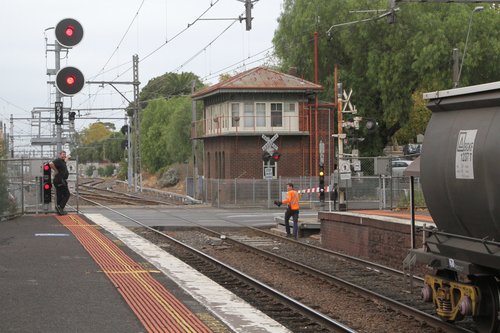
276,156
70,80
47,186
46,167
70,30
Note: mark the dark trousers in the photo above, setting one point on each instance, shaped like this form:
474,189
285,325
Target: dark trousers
62,195
295,215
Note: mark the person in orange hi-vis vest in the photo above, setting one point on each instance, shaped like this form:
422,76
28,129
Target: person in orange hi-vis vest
292,210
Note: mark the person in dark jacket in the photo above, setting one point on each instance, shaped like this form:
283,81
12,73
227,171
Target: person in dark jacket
61,181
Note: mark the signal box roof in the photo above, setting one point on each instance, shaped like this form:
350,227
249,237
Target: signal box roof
258,80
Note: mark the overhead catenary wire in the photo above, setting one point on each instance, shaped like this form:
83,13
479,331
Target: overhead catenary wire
121,40
212,4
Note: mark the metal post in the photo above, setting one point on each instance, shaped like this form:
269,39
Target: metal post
412,208
253,189
268,193
218,193
11,138
137,123
193,140
58,96
342,205
76,187
455,67
22,186
130,155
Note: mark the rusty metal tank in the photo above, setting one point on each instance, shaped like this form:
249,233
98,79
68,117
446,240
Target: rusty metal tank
460,161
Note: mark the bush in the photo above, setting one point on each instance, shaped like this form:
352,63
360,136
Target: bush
90,171
169,178
404,201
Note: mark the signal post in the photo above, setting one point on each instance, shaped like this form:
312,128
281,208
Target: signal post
69,80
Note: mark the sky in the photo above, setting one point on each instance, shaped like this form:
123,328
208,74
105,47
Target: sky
114,30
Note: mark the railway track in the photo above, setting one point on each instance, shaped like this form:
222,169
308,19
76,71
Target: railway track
288,311
101,190
336,285
280,260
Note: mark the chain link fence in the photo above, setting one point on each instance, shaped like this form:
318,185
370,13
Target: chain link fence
375,185
20,189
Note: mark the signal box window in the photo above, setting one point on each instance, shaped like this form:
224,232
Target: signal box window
249,115
235,114
276,114
260,114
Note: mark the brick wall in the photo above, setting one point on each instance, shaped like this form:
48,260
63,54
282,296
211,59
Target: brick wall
242,156
384,242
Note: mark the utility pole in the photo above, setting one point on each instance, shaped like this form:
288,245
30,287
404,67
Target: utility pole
137,123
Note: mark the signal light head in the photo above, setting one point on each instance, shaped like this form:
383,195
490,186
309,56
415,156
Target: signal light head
47,186
276,156
46,167
69,32
321,173
69,81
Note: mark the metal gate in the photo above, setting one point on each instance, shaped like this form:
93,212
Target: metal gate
21,186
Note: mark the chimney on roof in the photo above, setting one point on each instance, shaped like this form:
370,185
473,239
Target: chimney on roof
292,71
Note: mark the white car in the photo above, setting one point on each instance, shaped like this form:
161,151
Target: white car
399,166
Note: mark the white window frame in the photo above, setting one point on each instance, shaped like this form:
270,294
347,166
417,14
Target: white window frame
260,114
248,115
274,117
235,114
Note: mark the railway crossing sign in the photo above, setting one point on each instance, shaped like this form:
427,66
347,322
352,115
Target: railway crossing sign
270,146
268,173
345,169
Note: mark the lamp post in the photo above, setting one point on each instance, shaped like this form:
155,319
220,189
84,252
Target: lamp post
476,9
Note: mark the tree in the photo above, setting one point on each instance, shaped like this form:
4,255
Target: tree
165,132
169,85
387,64
94,133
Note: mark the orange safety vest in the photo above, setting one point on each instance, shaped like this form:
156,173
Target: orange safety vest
292,199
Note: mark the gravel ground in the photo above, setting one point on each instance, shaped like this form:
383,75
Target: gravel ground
361,314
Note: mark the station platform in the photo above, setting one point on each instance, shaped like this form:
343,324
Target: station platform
77,273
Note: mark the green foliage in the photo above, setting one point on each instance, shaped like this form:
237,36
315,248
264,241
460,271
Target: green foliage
122,170
106,171
107,148
419,200
386,65
4,194
169,85
90,171
165,132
